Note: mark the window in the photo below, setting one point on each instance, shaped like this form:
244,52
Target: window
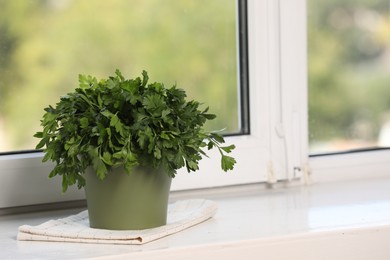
275,148
349,94
256,160
348,89
44,45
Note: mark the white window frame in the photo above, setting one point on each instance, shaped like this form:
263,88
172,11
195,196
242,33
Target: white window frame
348,166
276,148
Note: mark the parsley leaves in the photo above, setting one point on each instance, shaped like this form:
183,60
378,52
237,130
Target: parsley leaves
126,122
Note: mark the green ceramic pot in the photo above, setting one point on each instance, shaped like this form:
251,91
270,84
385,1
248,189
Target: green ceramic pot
128,202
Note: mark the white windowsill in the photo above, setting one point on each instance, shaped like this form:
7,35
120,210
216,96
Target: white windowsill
340,220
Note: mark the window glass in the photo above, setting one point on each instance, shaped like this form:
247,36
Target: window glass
45,44
349,79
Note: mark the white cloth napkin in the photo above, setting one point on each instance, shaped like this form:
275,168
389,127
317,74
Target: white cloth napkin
181,215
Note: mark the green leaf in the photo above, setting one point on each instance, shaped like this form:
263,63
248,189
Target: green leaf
116,123
42,143
179,160
229,148
164,135
80,181
53,173
157,153
114,120
107,114
227,163
107,158
48,155
84,122
131,161
119,74
145,78
84,81
64,183
120,155
154,102
49,118
165,113
101,170
100,101
73,150
206,110
144,138
192,166
69,143
110,144
217,137
209,116
38,135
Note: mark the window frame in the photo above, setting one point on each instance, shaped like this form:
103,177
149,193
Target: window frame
276,149
354,165
261,154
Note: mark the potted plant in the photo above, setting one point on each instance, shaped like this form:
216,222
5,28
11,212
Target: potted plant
124,135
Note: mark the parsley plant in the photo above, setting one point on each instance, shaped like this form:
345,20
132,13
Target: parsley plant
126,122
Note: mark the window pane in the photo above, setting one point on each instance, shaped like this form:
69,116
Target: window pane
349,79
45,44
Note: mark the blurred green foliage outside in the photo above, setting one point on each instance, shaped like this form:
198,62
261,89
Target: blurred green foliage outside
46,44
349,73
